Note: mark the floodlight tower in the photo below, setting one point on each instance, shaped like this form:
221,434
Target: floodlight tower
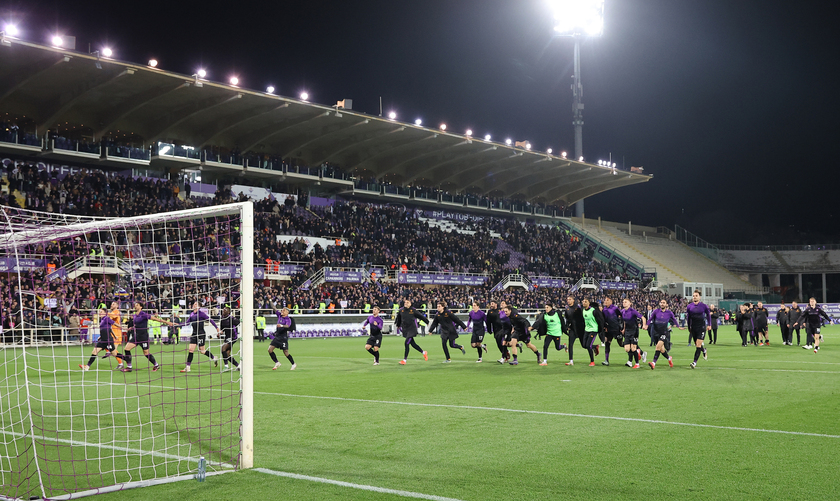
578,19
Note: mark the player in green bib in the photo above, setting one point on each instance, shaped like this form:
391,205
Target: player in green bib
593,321
551,325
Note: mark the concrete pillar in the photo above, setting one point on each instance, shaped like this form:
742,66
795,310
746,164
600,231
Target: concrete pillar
824,291
775,279
629,227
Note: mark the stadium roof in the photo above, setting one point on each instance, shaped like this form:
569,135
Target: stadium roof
60,88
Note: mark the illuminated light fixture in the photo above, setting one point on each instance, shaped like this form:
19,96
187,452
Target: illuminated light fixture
578,17
528,146
11,30
508,142
580,159
563,154
469,132
549,151
153,63
234,81
304,96
418,122
107,52
392,115
57,41
442,126
270,89
487,137
201,73
614,165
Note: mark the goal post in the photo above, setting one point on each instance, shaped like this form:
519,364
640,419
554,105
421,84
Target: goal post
71,423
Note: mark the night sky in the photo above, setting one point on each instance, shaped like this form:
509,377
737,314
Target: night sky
731,105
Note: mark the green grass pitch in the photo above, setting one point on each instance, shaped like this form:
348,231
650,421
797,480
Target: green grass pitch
486,431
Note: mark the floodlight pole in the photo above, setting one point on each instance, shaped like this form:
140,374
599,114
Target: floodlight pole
577,113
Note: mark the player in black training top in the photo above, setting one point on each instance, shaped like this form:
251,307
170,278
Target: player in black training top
761,325
230,335
520,332
448,331
495,327
406,322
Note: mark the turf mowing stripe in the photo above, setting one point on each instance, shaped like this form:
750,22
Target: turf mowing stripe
405,494
787,362
769,370
547,413
110,447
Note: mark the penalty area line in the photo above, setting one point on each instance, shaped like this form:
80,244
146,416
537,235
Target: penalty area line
549,413
372,488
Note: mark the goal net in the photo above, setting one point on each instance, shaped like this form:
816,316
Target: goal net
97,317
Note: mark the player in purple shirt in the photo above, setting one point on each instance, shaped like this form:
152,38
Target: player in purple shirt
285,325
477,319
660,320
139,336
229,325
374,341
699,318
612,327
105,342
198,337
631,319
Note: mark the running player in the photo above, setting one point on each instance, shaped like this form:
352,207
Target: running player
230,334
574,326
448,331
106,340
699,322
139,336
593,321
285,325
477,319
495,326
612,327
519,332
199,338
632,319
761,325
660,319
551,325
812,322
374,341
406,322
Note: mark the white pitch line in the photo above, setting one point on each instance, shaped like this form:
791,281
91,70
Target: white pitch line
382,490
547,413
109,447
787,362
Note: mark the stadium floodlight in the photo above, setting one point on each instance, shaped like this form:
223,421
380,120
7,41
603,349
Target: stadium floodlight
418,122
563,154
578,17
107,52
201,73
528,146
614,165
234,81
57,41
11,30
469,132
270,89
304,96
392,115
442,126
549,151
508,142
487,137
580,159
153,63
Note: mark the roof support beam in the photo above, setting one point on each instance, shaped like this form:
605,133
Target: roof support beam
227,127
56,114
411,141
588,191
356,144
521,177
135,103
396,167
18,79
439,165
341,128
288,125
188,112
